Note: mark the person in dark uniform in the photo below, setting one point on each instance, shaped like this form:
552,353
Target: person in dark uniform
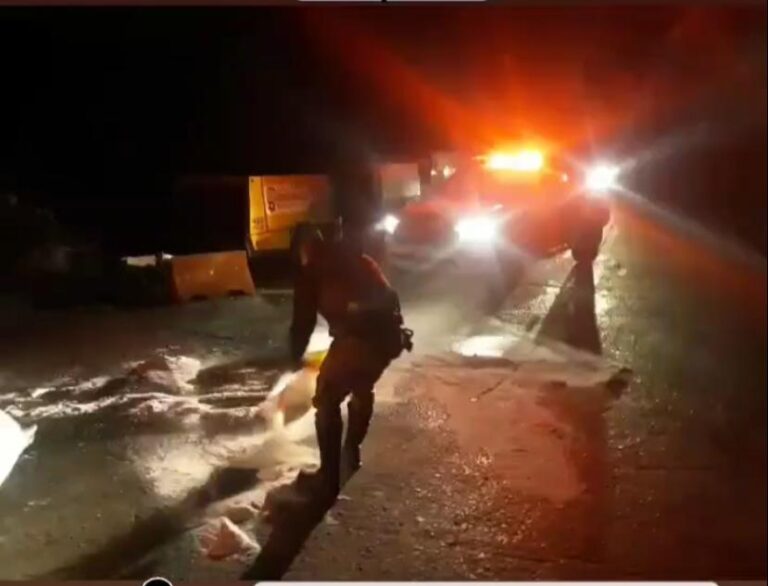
349,290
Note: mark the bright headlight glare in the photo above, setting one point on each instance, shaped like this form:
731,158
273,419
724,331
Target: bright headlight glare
388,223
477,229
601,178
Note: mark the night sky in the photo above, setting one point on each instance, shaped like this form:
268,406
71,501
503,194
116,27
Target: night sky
100,109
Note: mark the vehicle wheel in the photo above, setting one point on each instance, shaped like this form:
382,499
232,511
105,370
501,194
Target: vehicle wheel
586,245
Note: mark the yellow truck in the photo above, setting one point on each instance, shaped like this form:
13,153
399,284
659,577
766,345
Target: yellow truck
259,214
224,226
278,206
267,214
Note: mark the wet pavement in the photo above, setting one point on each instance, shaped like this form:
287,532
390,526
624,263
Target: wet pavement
607,422
498,479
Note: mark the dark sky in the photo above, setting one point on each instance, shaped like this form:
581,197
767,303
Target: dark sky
119,90
103,105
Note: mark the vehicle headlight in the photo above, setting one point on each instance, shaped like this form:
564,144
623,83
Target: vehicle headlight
602,178
388,224
477,229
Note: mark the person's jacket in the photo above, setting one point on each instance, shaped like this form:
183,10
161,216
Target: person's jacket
351,293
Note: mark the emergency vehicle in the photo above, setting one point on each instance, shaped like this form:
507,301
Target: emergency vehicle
512,202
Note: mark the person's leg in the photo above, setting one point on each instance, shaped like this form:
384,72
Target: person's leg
360,410
330,393
329,428
360,406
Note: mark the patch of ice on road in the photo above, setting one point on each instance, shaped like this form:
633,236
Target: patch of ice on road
14,439
221,538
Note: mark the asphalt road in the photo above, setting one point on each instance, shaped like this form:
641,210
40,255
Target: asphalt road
665,478
463,478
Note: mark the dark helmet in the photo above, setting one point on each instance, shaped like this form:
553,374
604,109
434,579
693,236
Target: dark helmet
320,256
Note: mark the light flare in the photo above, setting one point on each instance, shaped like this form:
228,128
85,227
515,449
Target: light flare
529,161
477,229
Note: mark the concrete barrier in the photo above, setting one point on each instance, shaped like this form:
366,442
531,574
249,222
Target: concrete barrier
209,276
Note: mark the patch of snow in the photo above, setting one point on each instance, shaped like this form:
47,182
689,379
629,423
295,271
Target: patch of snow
220,539
277,452
90,384
184,369
14,439
172,372
40,391
52,385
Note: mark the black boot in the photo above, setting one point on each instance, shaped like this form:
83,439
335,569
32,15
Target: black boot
325,483
360,410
